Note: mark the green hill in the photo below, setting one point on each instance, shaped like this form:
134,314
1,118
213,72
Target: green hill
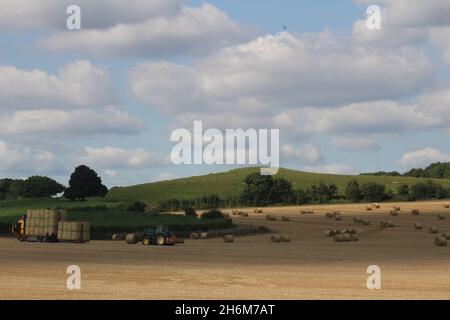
229,184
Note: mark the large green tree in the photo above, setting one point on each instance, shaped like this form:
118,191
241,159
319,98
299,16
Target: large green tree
353,191
41,187
85,182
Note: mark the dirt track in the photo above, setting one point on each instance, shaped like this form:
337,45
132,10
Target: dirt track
310,267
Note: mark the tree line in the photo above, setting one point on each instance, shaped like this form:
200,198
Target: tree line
265,190
84,182
438,170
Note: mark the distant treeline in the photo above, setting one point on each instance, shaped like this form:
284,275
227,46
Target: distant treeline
438,170
265,190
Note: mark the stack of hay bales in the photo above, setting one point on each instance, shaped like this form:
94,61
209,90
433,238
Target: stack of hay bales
42,222
415,212
271,217
74,231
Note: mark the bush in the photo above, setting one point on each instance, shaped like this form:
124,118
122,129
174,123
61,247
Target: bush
190,211
212,214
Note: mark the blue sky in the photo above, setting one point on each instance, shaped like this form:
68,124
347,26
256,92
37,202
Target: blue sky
345,99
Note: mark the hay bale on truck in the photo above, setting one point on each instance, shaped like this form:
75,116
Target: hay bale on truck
74,231
38,225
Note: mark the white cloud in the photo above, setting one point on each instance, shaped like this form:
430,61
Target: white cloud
17,159
422,158
334,168
354,143
112,158
164,176
78,84
80,122
191,31
273,73
305,154
95,14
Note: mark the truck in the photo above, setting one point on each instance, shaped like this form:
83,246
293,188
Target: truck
50,226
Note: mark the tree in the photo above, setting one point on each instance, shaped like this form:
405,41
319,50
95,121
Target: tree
282,191
353,191
41,187
84,182
258,189
403,191
373,192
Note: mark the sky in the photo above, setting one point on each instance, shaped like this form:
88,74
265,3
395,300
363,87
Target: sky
346,99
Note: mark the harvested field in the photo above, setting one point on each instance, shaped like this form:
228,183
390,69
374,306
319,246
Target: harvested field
311,266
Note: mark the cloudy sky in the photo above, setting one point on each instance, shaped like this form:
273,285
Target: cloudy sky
346,99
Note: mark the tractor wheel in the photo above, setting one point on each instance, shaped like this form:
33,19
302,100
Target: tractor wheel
160,240
146,242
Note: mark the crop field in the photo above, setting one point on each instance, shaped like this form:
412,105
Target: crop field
311,266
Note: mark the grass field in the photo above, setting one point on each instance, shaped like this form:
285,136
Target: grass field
230,184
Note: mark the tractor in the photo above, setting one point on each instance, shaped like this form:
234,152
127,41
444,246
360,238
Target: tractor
158,235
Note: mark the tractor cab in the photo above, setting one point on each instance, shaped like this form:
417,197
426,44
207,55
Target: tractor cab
18,229
158,235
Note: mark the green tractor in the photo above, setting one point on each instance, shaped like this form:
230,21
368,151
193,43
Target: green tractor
158,235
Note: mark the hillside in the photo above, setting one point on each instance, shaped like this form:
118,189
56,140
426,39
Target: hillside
228,184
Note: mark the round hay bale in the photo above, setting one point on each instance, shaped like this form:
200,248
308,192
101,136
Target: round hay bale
418,226
328,215
415,212
275,238
447,206
131,238
446,235
339,238
284,218
194,236
347,237
365,222
303,211
228,238
331,233
353,231
285,238
204,235
357,220
368,208
271,217
338,217
440,241
394,213
433,230
310,211
115,237
355,237
441,217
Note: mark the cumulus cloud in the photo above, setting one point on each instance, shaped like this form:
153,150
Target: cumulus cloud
304,154
191,31
111,158
76,85
422,157
78,122
95,14
282,71
16,159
